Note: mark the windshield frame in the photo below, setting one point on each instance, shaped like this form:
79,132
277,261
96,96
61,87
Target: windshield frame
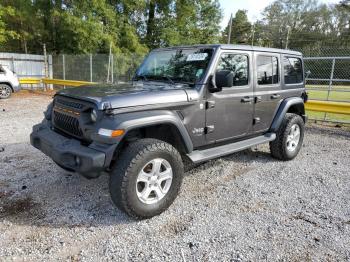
201,81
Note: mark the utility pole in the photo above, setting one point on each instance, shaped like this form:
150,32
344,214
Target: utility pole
109,61
229,31
253,34
287,40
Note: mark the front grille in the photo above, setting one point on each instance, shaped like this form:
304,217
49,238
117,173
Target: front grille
67,123
71,104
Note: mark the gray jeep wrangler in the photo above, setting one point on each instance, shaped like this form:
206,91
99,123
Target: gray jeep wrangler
185,105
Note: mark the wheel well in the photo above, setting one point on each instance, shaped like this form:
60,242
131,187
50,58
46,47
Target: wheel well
8,84
165,132
297,109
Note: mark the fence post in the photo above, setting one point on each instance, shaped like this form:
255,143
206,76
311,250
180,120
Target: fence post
330,84
45,65
64,68
90,67
13,65
50,70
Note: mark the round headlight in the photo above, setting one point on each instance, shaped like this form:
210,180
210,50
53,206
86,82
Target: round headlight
93,115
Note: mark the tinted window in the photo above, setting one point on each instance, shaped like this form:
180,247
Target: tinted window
267,67
238,64
293,71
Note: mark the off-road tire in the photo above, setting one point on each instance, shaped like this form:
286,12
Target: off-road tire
8,91
124,174
278,147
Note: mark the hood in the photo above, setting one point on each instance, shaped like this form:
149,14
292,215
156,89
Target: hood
127,95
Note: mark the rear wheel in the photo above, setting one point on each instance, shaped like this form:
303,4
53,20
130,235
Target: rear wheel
146,178
289,138
5,91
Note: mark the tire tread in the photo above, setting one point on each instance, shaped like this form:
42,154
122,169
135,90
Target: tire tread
131,154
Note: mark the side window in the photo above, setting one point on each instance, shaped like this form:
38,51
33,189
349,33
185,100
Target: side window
238,64
267,69
293,71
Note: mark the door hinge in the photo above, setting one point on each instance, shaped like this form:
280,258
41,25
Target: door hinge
210,104
209,129
256,120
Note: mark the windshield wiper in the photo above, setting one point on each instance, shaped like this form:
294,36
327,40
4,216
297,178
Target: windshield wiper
169,79
138,77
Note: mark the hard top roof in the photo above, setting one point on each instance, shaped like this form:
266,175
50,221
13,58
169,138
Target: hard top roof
237,47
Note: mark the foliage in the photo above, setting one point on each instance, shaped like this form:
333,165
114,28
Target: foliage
92,26
135,26
241,31
295,24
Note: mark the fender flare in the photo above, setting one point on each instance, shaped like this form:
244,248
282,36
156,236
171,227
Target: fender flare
283,108
131,121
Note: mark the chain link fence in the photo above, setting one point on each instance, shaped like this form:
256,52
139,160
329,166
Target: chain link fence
101,68
328,80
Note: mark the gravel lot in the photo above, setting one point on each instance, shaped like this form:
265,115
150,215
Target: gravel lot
246,206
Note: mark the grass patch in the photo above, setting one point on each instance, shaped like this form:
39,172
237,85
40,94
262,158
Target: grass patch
333,95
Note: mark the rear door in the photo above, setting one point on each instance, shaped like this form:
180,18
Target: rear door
229,112
267,89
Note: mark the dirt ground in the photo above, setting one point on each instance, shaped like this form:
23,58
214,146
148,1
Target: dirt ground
243,207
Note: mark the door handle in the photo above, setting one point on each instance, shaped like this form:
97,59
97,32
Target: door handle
275,96
246,99
258,99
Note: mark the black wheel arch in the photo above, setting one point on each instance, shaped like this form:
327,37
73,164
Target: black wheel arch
162,125
293,105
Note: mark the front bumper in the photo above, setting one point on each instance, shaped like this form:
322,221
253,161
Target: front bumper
16,86
69,153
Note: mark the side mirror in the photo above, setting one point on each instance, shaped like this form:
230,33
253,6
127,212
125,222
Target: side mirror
224,78
307,74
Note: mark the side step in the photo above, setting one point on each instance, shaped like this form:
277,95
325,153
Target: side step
198,156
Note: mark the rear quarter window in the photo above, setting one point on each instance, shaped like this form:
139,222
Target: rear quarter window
293,70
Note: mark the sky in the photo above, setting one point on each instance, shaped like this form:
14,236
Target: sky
254,8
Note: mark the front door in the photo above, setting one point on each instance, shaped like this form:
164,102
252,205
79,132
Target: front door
229,113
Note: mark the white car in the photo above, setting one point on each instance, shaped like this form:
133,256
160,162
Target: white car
9,82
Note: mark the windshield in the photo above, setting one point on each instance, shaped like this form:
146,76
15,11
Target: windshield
175,65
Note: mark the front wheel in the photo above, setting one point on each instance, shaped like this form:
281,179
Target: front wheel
146,178
5,91
289,138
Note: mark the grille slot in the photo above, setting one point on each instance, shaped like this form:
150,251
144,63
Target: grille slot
71,104
67,123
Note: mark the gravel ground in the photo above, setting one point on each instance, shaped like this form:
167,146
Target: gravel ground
246,206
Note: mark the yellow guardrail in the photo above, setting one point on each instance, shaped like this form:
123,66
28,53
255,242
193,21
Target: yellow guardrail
328,107
66,82
30,80
35,81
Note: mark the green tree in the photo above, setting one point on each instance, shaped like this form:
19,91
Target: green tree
241,29
91,26
6,34
304,24
182,22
